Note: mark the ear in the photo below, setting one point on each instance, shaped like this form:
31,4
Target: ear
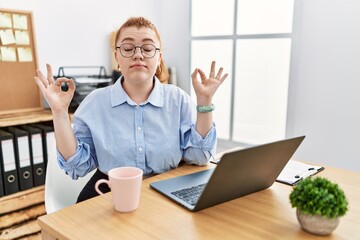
116,55
160,57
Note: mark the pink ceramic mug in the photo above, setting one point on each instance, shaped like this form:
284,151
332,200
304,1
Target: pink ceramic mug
125,185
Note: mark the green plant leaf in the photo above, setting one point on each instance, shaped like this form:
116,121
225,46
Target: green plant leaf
319,196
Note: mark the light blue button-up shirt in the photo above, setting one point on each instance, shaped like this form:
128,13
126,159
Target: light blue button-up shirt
113,131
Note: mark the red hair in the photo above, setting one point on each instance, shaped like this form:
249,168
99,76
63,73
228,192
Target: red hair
161,72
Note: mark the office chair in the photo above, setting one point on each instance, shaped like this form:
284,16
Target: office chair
60,190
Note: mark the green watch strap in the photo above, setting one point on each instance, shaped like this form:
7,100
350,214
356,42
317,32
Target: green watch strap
205,109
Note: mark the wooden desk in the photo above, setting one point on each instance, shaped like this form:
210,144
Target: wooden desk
263,215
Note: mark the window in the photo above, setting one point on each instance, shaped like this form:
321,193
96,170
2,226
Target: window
251,39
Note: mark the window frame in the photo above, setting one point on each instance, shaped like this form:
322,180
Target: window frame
234,37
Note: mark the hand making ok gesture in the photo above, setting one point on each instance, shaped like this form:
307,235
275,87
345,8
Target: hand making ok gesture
57,99
206,87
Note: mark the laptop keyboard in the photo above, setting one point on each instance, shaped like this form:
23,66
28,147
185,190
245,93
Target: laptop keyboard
191,194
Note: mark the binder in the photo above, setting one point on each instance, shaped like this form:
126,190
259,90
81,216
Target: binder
8,164
36,154
22,157
2,192
295,171
48,138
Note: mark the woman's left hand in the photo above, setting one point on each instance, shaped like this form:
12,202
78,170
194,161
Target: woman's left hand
206,88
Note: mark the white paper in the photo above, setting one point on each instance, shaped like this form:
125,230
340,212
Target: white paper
5,20
37,149
50,140
8,54
8,155
92,80
24,153
7,37
25,54
22,37
294,171
20,21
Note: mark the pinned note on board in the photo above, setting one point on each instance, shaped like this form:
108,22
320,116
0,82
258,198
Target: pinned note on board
18,62
22,37
5,20
8,54
24,54
7,37
20,21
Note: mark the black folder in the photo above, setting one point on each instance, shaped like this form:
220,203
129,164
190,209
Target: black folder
36,154
47,138
8,164
2,192
22,157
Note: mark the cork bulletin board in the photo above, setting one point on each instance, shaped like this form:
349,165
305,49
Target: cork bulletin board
18,63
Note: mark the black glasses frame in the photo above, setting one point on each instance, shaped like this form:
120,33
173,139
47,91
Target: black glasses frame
135,47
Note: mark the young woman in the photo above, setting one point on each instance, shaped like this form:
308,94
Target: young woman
140,120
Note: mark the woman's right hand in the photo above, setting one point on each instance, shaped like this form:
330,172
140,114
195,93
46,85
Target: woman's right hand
57,99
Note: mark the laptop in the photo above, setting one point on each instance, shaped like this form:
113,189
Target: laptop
237,174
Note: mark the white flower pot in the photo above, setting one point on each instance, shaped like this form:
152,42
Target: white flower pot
317,224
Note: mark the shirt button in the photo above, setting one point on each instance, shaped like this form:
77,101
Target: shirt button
140,149
139,128
137,106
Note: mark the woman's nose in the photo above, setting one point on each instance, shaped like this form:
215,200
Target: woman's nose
138,53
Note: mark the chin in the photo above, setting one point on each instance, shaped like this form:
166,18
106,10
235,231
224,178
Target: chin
141,76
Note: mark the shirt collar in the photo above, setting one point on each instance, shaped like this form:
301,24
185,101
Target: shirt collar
119,96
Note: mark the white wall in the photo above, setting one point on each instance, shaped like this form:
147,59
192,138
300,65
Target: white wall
324,94
77,33
175,31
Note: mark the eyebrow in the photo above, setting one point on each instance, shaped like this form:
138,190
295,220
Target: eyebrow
143,40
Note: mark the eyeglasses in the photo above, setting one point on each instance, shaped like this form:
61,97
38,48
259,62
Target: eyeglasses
128,50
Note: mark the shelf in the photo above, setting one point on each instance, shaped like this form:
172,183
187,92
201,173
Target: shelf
22,199
24,117
19,213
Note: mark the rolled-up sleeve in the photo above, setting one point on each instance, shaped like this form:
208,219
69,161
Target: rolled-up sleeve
84,160
77,165
198,150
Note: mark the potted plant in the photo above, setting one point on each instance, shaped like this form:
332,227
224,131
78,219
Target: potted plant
320,204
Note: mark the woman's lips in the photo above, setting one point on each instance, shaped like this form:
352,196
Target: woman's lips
138,66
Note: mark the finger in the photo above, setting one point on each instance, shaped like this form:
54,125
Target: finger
71,84
212,70
224,77
50,77
195,72
40,84
194,78
41,77
59,81
218,75
202,75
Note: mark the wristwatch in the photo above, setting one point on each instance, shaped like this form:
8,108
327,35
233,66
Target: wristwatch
205,109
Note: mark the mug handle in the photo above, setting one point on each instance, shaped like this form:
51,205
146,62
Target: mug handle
97,184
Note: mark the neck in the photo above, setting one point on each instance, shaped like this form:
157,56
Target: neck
138,92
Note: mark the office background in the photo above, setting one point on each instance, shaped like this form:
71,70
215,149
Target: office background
324,84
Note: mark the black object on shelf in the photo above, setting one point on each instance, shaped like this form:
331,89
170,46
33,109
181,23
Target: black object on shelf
86,78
